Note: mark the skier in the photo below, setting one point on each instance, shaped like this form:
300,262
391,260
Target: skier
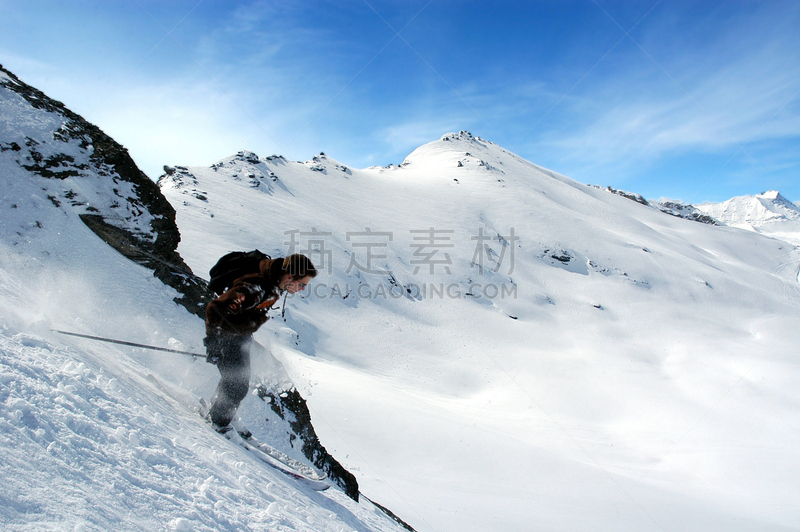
233,317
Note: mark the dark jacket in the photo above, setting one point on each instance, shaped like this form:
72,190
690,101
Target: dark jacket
243,308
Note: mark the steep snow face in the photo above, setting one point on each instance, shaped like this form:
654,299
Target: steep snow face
82,172
86,443
90,444
492,345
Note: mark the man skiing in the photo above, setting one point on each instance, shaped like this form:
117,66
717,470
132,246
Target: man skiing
233,317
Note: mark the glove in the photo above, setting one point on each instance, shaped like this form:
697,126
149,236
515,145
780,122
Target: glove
214,351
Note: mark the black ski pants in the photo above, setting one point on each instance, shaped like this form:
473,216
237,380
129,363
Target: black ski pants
234,369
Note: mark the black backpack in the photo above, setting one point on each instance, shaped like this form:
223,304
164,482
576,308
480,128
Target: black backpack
232,266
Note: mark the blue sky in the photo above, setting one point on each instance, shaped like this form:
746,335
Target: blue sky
698,101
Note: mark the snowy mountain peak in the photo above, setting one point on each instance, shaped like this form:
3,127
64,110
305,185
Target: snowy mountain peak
460,136
758,210
771,195
459,150
773,199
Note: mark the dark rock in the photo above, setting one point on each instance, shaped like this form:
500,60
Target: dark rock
109,159
629,195
292,401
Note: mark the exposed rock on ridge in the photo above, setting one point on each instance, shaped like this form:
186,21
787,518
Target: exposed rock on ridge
290,406
102,184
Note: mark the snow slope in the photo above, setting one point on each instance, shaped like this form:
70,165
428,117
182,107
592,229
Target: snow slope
493,346
86,441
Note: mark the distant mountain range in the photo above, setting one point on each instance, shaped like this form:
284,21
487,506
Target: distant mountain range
768,213
753,211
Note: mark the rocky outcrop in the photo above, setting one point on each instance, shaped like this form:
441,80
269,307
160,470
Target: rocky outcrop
628,195
103,185
683,210
673,208
291,407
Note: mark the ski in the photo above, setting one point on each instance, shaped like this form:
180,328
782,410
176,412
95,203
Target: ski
288,461
273,456
263,451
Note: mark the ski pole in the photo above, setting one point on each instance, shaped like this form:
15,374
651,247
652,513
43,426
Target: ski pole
132,344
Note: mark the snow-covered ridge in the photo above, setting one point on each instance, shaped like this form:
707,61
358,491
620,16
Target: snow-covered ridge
755,211
82,172
41,136
768,212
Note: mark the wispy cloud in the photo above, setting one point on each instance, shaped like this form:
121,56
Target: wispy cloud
715,104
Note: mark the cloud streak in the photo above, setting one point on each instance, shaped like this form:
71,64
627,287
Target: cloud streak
638,119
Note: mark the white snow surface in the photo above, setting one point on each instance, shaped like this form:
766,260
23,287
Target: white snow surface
639,371
87,443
